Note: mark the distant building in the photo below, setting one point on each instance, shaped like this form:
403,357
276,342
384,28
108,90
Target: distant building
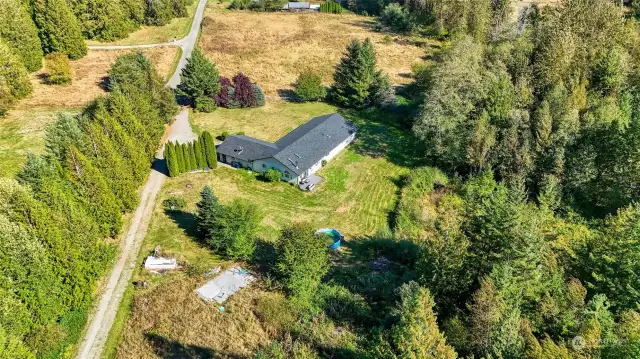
301,6
297,155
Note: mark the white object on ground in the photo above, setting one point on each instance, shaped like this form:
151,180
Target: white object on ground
225,285
160,263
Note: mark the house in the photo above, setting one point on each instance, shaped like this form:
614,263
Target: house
297,155
300,7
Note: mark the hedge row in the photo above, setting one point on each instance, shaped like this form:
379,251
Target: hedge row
195,155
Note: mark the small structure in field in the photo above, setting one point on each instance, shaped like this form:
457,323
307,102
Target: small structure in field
300,6
225,285
160,263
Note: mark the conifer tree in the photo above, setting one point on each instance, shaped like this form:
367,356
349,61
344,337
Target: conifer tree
172,163
58,28
122,110
20,33
179,158
14,79
355,75
201,158
200,78
187,157
92,186
209,149
207,211
103,20
192,156
416,335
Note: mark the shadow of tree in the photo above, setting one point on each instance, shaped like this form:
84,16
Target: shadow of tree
264,256
380,134
170,349
186,221
160,165
288,95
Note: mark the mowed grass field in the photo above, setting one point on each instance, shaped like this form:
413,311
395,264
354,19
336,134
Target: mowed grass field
175,30
358,197
23,128
273,48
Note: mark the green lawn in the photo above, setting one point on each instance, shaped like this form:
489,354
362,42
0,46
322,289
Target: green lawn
174,30
21,133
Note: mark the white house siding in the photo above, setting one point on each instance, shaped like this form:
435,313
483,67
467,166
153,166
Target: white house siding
267,163
332,154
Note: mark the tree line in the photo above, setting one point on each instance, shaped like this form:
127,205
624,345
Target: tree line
30,29
57,213
199,154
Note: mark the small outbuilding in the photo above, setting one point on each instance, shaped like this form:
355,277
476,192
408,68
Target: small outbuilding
160,263
300,6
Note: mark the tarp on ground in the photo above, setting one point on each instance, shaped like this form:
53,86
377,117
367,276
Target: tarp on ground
225,285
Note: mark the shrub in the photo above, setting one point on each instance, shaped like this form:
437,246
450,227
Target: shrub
14,79
240,4
174,204
58,68
309,87
258,95
324,163
244,93
331,7
383,95
387,39
222,98
223,136
272,175
301,260
205,104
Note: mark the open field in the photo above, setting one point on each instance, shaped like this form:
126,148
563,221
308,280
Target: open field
174,30
88,76
273,48
21,132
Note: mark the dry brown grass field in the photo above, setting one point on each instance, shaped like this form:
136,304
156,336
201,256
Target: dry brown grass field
22,129
273,48
88,73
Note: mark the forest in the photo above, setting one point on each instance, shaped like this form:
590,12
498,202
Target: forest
56,215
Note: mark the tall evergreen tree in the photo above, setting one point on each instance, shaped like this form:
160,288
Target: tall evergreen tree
103,20
14,79
209,149
199,78
208,209
192,155
416,334
201,158
187,157
20,33
58,28
182,166
92,186
172,160
355,75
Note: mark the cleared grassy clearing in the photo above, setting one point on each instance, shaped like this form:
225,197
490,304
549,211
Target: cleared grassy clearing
21,132
89,74
269,123
361,189
174,30
273,48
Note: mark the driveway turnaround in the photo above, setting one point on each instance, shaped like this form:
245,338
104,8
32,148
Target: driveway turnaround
104,314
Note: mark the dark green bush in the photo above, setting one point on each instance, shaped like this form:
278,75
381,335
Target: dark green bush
205,104
223,136
396,17
58,68
272,175
174,204
309,87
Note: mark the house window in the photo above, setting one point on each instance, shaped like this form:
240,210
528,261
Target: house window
264,165
286,174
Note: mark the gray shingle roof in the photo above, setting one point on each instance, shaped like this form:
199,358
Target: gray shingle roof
299,149
247,148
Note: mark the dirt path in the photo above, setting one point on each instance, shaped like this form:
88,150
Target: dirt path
104,314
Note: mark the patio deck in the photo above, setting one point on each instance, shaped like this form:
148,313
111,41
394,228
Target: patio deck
311,182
